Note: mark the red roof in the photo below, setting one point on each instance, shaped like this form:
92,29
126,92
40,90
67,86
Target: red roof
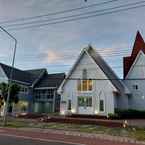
139,44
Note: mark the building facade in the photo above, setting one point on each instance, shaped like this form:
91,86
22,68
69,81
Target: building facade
38,91
91,87
134,74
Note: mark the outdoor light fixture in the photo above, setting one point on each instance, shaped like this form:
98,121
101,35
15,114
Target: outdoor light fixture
73,110
62,112
96,112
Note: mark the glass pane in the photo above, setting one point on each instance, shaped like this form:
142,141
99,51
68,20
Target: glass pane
85,101
89,102
81,101
90,85
69,104
79,85
85,85
101,105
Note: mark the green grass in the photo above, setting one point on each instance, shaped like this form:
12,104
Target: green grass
136,133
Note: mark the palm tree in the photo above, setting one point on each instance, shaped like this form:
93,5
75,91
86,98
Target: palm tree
14,90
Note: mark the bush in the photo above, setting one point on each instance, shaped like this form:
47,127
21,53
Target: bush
113,116
130,114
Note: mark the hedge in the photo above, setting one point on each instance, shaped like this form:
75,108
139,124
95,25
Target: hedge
127,114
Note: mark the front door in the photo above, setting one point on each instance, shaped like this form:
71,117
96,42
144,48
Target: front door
85,105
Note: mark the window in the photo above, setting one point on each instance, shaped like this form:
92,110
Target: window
90,85
44,94
84,74
23,89
85,85
79,85
135,87
84,101
69,104
101,105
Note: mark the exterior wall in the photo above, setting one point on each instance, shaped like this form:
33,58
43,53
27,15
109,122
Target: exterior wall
44,101
102,89
137,100
121,102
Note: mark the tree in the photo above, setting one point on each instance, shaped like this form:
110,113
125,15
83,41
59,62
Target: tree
14,90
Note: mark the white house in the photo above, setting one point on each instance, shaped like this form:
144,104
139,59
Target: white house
134,74
92,87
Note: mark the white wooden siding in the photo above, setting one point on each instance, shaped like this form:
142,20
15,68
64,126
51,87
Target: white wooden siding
137,71
94,72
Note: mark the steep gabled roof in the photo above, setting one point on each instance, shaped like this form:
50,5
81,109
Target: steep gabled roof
50,80
36,74
120,86
18,75
35,78
139,45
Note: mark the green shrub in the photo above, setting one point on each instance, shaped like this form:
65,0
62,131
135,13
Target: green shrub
113,116
130,114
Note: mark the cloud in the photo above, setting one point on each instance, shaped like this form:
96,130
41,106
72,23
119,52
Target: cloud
60,44
52,57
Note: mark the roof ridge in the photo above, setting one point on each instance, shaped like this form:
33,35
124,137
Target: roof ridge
35,69
10,66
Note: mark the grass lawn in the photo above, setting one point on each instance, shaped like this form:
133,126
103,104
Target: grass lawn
136,133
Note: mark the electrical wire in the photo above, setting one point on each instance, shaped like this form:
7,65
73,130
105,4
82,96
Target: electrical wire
79,18
58,12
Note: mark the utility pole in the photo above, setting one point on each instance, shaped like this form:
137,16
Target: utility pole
11,75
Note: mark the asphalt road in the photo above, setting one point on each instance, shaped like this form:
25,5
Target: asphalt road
6,140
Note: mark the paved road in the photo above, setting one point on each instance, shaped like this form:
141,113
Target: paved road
24,137
7,140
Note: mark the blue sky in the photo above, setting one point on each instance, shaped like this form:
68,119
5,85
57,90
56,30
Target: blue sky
56,47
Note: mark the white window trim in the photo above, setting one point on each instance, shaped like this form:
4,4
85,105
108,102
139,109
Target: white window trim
104,105
85,97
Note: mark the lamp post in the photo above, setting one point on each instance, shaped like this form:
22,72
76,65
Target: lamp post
11,75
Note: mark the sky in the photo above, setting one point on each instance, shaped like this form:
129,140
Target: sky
56,47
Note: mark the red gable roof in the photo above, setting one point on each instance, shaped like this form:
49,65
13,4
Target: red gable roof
138,45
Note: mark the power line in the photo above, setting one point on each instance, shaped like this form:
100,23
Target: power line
79,18
58,12
104,55
96,79
76,15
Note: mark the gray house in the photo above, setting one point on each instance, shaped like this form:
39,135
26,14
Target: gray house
38,91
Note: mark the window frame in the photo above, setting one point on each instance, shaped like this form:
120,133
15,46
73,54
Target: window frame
103,105
85,102
69,107
80,85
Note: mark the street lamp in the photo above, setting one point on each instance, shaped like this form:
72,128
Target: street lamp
11,74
